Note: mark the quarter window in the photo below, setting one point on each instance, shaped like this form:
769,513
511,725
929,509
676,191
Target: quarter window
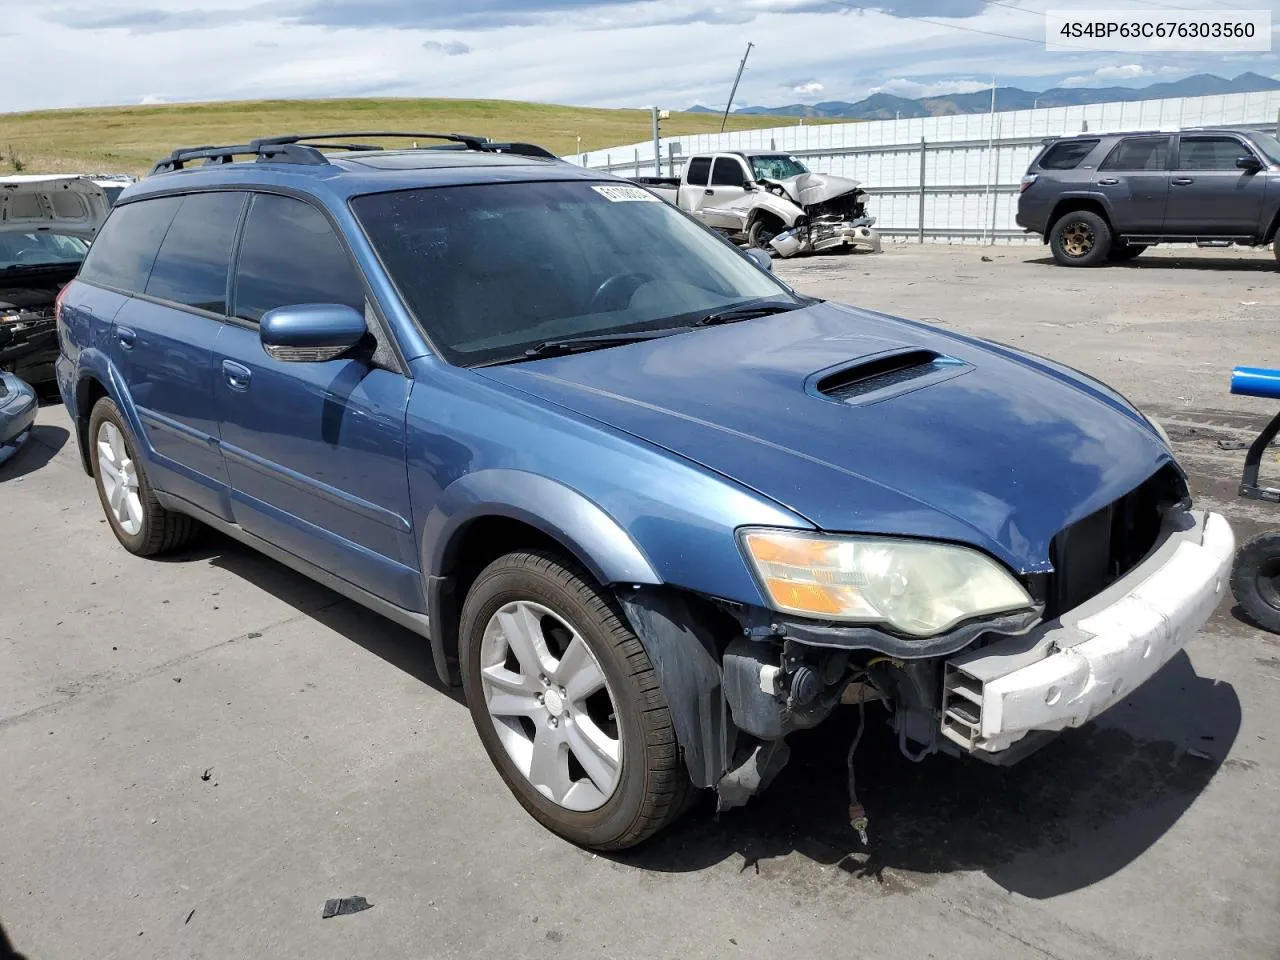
1066,155
125,249
291,255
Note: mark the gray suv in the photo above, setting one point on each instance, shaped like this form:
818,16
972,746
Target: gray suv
1098,198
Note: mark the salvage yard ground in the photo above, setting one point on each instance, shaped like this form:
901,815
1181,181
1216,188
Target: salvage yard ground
196,753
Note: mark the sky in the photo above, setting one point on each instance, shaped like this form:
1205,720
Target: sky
608,53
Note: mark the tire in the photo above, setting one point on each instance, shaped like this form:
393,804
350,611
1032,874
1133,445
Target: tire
1080,238
559,607
1121,252
1255,580
760,233
1275,246
143,527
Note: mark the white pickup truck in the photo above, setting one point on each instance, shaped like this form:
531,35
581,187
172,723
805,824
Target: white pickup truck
772,201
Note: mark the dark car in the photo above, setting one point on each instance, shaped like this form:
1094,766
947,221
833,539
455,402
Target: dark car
1096,198
652,509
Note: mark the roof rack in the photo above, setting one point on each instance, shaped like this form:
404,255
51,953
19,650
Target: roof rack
305,148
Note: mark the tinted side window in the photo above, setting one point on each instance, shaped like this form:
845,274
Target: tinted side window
1066,156
1210,153
728,173
1138,153
125,249
699,171
290,255
196,253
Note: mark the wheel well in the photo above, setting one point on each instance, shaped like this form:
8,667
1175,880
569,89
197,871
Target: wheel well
88,392
1270,235
1074,206
768,217
475,546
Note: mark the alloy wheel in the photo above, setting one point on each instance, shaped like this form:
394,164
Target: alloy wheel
119,478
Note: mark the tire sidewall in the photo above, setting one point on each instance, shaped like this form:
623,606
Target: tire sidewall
502,583
1101,239
105,411
1244,580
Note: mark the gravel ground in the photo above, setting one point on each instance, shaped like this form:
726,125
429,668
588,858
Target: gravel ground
196,753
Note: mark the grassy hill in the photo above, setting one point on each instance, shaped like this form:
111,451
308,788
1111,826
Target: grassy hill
130,139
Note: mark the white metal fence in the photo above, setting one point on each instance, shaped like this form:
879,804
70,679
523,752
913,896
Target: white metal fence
945,179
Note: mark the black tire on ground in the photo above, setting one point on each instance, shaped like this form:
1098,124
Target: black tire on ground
654,787
1080,238
1275,245
1255,580
1121,252
161,529
761,232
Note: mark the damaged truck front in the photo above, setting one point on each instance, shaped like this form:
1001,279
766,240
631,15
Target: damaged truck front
771,201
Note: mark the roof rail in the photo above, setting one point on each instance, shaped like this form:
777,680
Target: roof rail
305,148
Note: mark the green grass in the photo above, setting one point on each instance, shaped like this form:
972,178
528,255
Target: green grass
130,139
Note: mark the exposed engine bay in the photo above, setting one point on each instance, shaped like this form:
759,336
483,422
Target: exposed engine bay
28,337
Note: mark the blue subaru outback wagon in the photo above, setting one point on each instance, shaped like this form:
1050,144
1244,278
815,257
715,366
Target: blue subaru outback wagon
651,508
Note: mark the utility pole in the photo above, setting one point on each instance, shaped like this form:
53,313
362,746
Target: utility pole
657,139
734,92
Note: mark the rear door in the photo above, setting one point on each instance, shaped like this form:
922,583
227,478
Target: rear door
315,451
695,187
1210,195
172,255
728,183
1134,180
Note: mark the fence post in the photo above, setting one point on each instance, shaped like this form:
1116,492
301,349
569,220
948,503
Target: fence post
608,162
924,146
637,153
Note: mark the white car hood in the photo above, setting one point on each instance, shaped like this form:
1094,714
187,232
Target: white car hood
810,188
68,204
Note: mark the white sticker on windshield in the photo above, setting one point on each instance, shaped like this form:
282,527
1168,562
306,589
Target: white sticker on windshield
626,194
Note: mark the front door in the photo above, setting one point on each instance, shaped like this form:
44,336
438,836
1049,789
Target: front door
1210,195
315,451
1134,181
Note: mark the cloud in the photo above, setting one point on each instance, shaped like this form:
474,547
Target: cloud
450,48
804,88
152,99
914,89
1129,71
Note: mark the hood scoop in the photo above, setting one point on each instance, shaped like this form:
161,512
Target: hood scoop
880,376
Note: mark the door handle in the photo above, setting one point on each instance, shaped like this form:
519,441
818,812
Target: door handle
126,337
237,374
1108,181
709,193
1182,181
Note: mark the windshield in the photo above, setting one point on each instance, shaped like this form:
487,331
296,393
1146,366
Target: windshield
1268,144
777,167
40,248
491,271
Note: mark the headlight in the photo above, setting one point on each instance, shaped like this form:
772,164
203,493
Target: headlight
916,588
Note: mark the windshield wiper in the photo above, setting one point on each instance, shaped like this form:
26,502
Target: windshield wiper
746,312
599,341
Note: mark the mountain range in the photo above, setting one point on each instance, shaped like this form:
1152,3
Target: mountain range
886,106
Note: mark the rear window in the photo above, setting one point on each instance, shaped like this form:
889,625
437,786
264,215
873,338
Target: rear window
1066,155
125,249
1139,153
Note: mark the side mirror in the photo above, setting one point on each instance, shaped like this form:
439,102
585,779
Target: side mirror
1252,164
761,259
750,186
311,332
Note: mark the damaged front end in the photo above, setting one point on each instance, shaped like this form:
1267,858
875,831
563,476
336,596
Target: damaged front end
831,214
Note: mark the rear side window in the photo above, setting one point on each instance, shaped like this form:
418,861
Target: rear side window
1138,153
1210,153
125,249
290,255
728,173
196,254
1067,155
699,171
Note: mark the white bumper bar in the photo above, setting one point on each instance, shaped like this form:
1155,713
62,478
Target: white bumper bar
1065,673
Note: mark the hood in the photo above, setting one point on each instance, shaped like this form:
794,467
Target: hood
71,205
810,188
864,423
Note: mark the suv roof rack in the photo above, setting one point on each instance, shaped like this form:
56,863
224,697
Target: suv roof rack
305,148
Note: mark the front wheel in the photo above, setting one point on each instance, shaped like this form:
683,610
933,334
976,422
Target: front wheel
1255,580
761,234
567,704
1080,238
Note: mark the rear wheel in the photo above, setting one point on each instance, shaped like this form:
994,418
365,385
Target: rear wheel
1080,238
1121,252
1255,580
142,526
567,704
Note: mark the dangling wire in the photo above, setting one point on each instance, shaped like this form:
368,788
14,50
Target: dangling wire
857,815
